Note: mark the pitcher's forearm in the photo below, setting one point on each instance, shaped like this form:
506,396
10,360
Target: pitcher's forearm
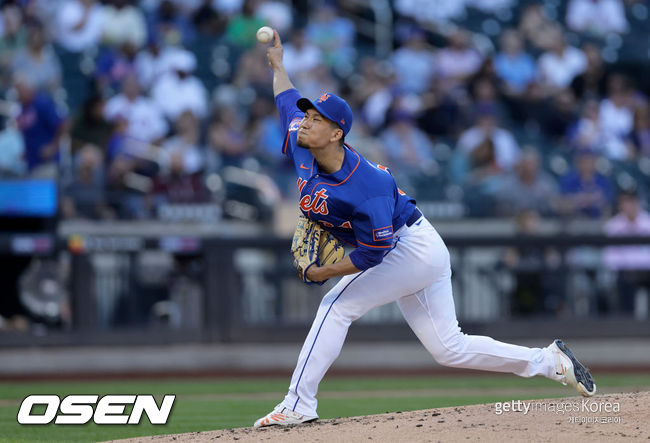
274,53
281,81
344,267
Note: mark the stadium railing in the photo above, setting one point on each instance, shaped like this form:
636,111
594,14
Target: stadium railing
148,283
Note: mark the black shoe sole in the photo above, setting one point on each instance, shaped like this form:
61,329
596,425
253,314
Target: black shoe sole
582,374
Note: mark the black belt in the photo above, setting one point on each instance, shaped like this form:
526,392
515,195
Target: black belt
414,217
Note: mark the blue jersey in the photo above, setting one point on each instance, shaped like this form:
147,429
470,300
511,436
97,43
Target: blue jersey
360,204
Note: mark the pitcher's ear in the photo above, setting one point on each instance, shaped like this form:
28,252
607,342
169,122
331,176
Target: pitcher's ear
338,134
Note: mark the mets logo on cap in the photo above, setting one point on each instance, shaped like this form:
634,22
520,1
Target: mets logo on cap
323,98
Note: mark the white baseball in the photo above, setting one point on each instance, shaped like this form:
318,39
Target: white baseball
265,34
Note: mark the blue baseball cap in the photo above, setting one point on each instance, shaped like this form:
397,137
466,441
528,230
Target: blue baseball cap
332,107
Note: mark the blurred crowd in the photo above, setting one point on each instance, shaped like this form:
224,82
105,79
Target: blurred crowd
503,108
137,105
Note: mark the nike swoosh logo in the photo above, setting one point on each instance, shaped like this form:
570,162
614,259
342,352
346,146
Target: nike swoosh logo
302,166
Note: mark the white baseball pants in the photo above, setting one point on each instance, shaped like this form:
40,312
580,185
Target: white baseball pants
417,274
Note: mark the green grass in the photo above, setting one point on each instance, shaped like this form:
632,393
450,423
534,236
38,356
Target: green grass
208,404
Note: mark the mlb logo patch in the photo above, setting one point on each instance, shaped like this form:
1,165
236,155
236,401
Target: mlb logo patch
381,234
293,126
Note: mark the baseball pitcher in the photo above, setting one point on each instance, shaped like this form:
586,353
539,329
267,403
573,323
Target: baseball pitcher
398,257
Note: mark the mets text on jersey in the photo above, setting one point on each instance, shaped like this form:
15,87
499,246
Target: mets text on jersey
316,204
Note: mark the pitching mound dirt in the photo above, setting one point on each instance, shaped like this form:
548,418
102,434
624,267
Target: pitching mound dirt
611,417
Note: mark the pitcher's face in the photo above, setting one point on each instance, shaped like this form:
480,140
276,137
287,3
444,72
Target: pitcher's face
316,131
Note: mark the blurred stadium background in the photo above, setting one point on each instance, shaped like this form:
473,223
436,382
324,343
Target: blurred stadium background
146,210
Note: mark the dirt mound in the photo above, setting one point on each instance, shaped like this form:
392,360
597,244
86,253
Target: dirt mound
604,417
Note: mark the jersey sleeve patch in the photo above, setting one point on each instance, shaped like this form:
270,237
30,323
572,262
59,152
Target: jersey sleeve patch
293,126
381,234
